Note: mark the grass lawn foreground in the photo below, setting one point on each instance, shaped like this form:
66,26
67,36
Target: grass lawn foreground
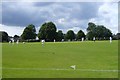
53,60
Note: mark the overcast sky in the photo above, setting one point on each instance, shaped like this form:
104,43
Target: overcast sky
66,15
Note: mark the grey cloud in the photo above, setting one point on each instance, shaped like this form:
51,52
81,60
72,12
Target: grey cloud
39,12
87,10
19,17
39,4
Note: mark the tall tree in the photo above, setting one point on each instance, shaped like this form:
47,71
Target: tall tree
118,36
70,35
16,37
98,31
4,36
80,34
91,27
91,30
29,32
90,35
47,31
103,32
60,35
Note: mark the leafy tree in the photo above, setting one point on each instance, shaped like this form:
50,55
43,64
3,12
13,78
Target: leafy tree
29,32
47,31
91,27
80,34
117,36
16,37
107,33
70,35
60,35
91,30
90,35
4,36
98,31
103,32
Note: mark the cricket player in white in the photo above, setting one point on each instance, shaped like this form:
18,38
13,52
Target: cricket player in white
17,41
82,39
110,39
62,40
54,40
42,42
94,39
9,42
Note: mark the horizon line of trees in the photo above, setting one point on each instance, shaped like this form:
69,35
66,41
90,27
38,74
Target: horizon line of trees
48,32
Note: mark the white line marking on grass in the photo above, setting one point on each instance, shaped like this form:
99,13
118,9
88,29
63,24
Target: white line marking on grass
89,70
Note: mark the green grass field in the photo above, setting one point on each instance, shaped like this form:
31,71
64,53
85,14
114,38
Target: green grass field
53,60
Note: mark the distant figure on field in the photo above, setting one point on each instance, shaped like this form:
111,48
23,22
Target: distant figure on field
94,39
10,42
110,39
54,40
69,40
23,42
42,42
82,39
17,41
62,40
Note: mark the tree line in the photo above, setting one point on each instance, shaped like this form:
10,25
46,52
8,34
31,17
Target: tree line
48,32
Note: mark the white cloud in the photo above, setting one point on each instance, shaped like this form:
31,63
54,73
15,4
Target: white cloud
12,30
108,16
61,21
60,0
74,16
